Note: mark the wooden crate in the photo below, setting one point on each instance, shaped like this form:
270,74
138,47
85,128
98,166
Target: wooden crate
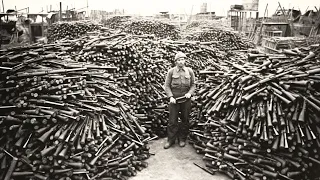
269,42
274,45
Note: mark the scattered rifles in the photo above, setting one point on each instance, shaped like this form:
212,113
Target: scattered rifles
145,28
55,122
71,30
142,63
219,38
260,120
86,106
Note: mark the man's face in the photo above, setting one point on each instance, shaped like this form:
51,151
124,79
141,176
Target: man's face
181,62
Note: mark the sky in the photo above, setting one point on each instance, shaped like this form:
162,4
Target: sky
151,7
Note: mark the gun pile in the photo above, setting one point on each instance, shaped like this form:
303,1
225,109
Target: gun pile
142,63
221,39
86,107
205,24
70,30
116,22
261,119
193,24
137,26
158,29
60,118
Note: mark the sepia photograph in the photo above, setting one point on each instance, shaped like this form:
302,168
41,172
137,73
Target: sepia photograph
159,90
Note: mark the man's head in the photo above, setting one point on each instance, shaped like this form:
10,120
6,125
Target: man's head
180,59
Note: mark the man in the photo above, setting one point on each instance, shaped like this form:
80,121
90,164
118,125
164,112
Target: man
179,87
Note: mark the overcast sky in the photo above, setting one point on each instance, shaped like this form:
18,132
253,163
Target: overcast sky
150,7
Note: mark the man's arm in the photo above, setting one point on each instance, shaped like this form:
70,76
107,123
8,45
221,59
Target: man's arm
192,82
167,83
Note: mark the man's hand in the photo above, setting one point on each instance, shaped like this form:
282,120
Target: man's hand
188,95
172,100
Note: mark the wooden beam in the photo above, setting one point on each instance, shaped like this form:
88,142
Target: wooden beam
2,6
60,13
261,25
289,22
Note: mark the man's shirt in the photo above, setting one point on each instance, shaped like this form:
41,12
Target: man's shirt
179,82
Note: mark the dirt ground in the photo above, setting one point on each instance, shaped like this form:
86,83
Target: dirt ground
175,163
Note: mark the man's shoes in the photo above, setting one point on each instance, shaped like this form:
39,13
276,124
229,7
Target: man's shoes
182,143
167,145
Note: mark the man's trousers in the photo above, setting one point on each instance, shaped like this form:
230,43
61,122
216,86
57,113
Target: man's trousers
177,129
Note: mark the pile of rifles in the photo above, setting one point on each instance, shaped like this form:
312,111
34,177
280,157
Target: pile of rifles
116,22
63,119
221,39
85,108
142,63
70,30
260,119
158,29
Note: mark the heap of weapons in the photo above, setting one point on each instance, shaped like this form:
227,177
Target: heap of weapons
205,24
142,63
139,26
261,119
86,107
193,24
63,119
70,30
158,29
116,22
221,39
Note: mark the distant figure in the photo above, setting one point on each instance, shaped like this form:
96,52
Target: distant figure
179,87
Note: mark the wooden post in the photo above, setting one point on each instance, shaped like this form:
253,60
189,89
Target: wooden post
287,20
240,24
88,7
238,17
42,29
3,6
15,7
241,21
245,22
237,25
60,13
67,14
30,33
261,25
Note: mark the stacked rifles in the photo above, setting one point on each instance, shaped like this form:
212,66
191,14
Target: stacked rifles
61,119
160,30
142,63
70,30
86,107
261,119
221,39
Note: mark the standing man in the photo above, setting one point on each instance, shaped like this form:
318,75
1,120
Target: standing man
179,83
